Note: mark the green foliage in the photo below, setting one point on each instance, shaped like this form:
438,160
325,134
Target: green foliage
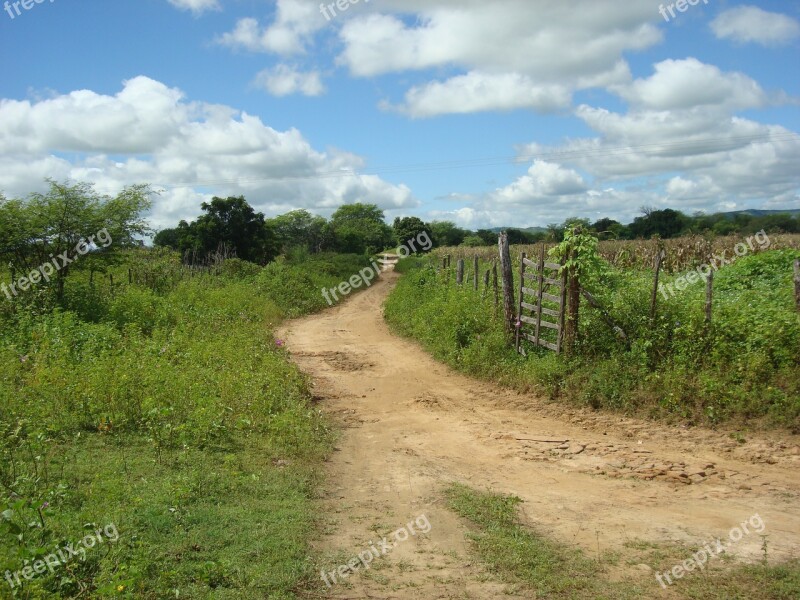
474,241
579,252
173,414
524,557
230,225
743,367
409,228
71,219
300,229
360,229
445,233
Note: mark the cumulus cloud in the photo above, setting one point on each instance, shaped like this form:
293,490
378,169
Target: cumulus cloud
680,145
508,54
284,80
750,24
688,83
289,34
149,132
544,181
478,92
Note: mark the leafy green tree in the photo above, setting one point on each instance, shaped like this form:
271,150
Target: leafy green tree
232,224
474,241
70,222
409,228
300,229
489,237
168,238
665,223
360,229
445,233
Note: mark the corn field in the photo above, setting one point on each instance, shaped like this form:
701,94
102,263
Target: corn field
681,253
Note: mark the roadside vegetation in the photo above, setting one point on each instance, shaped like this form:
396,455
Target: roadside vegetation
143,394
530,562
740,369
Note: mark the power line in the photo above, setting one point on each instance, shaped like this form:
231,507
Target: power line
657,148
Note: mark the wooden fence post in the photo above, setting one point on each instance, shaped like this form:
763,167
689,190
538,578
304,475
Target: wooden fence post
460,272
486,282
573,305
476,273
517,325
507,273
797,283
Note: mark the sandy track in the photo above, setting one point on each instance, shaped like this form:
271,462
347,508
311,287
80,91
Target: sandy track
412,425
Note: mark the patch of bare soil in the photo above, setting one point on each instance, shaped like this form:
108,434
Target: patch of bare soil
412,426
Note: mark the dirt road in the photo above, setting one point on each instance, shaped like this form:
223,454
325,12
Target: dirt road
412,426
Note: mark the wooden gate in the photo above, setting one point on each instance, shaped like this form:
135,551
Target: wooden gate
544,325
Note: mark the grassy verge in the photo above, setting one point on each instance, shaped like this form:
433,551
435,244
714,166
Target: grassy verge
175,418
529,561
742,369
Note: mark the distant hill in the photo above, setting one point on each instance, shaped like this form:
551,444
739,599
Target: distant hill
762,213
753,212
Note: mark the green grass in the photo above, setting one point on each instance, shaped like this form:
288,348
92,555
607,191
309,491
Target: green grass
533,563
743,369
522,557
172,413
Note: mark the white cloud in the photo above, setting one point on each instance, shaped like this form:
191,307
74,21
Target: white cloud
508,54
292,30
688,83
196,6
544,181
478,92
150,133
284,80
752,24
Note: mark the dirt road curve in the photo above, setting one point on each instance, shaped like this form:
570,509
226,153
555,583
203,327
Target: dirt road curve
413,426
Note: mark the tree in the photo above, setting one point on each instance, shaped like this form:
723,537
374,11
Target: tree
360,229
609,229
409,228
665,223
299,229
445,233
168,238
473,241
229,223
489,237
68,223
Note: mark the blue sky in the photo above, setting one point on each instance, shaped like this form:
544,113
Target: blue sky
507,113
